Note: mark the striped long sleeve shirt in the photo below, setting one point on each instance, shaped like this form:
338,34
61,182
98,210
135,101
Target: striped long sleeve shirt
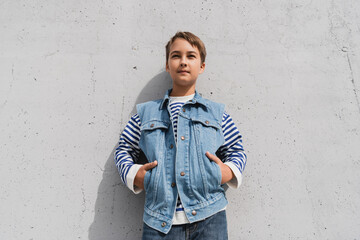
231,152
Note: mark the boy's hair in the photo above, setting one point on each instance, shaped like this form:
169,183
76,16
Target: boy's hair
192,39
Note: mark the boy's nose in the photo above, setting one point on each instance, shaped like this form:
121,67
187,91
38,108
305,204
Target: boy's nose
183,61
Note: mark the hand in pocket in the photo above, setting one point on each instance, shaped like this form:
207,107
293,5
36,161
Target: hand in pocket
140,175
226,172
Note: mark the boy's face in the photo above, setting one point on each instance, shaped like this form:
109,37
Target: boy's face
184,63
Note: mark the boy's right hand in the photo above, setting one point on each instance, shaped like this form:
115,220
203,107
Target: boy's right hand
139,178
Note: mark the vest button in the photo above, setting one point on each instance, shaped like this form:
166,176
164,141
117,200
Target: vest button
184,110
182,138
207,122
173,184
171,146
193,212
182,174
152,125
163,224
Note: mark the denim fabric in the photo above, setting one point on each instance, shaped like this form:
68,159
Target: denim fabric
183,167
212,228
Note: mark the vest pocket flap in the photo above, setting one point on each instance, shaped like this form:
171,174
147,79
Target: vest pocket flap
154,124
207,122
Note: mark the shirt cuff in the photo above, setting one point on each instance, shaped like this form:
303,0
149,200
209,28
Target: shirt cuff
236,181
130,177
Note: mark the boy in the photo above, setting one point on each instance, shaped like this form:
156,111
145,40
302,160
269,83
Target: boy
192,147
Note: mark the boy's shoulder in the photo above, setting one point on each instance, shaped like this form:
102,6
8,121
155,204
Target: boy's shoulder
150,103
216,108
149,107
211,103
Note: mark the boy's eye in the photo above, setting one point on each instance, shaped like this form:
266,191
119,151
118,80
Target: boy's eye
191,56
175,56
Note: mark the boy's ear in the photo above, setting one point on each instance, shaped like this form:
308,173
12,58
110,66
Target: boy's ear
167,66
202,67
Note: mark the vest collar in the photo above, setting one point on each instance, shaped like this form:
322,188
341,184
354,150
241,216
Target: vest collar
196,99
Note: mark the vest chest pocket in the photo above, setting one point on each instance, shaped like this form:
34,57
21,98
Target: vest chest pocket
153,125
207,132
152,135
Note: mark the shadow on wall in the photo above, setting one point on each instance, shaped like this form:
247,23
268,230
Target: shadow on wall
118,211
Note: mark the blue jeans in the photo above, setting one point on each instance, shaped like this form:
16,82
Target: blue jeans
214,227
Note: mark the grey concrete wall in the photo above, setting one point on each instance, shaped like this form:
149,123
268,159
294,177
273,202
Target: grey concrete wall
71,73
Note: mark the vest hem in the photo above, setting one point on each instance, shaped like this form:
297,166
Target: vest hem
204,210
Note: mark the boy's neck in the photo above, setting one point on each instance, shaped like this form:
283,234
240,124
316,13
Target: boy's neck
182,91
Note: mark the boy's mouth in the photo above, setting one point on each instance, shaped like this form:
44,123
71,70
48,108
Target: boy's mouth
183,71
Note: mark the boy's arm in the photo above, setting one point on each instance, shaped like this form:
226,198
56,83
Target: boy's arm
127,151
232,151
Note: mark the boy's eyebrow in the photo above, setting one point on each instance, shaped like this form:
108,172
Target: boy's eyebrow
186,52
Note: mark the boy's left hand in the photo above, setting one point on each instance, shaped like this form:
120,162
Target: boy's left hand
226,172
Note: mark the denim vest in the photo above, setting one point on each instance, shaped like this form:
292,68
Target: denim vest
183,167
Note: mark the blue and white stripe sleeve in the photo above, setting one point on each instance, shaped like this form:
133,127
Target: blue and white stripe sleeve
128,150
232,151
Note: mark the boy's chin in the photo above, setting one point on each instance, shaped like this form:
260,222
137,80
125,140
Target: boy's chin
184,83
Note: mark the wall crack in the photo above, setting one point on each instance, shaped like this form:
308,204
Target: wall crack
353,82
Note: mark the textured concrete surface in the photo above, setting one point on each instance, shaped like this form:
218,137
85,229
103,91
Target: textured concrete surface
71,73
